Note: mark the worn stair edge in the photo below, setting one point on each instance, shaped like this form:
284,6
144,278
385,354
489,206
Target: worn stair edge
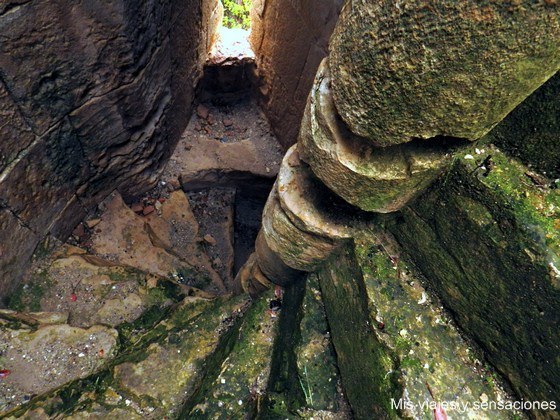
244,373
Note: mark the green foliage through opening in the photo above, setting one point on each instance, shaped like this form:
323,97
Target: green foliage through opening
236,13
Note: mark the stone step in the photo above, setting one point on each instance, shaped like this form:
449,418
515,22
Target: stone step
214,210
396,340
161,360
71,286
74,316
165,242
238,390
304,380
225,146
38,361
490,235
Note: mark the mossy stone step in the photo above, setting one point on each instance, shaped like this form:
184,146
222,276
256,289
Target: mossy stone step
243,376
304,381
174,369
391,339
487,237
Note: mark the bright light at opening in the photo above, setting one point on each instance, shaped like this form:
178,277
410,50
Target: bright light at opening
231,43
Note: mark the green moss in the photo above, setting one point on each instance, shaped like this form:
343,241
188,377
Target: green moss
316,361
237,13
284,389
367,367
156,297
122,274
244,374
425,345
536,208
488,245
27,297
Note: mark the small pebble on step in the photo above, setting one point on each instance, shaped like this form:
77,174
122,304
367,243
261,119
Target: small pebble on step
147,210
173,184
92,223
202,111
137,207
210,240
79,231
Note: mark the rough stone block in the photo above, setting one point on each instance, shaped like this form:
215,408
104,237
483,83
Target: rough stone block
487,238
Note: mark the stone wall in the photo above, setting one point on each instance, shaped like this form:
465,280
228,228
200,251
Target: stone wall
290,39
93,97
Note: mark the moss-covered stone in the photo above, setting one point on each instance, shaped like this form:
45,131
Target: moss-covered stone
373,178
170,378
453,68
304,380
427,346
99,394
243,376
487,239
367,366
316,361
298,249
284,394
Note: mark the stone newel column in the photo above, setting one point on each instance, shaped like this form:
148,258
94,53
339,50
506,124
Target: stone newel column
404,85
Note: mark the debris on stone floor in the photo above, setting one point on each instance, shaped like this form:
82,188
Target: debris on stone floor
224,145
214,210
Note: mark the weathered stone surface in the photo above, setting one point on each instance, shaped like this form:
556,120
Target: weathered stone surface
315,357
214,209
531,131
92,97
366,367
211,154
123,237
422,70
272,266
120,237
250,278
369,177
15,134
488,241
104,293
42,360
34,318
298,249
17,243
395,323
311,206
243,378
49,183
171,376
303,28
426,343
175,229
